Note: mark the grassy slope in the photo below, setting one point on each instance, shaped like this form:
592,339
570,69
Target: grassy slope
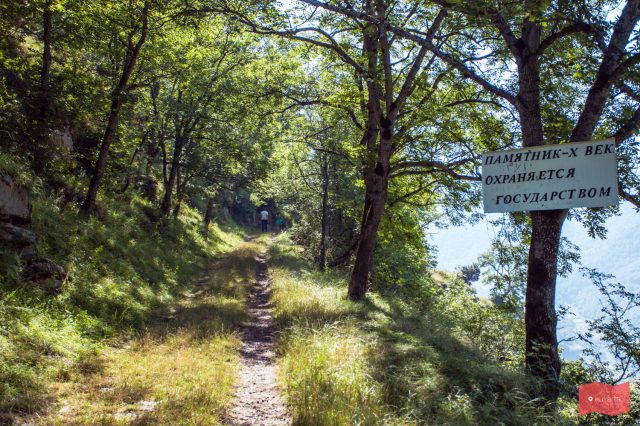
181,368
124,269
382,362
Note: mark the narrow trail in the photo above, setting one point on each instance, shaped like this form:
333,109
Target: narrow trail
257,399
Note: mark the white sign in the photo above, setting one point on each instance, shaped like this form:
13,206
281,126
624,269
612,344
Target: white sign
547,177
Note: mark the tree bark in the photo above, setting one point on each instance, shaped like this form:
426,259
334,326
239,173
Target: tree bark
173,174
88,206
324,170
41,148
540,316
376,184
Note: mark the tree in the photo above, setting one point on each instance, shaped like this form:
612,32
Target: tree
546,32
470,273
384,71
137,31
530,51
615,329
40,148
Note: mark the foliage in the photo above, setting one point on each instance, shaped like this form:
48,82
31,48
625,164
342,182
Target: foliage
615,330
389,362
505,264
120,272
470,273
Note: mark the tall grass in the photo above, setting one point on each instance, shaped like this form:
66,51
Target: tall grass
123,267
386,361
180,369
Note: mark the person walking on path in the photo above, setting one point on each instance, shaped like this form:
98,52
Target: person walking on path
279,223
264,219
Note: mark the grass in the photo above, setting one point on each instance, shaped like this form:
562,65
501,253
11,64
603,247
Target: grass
180,369
125,269
385,362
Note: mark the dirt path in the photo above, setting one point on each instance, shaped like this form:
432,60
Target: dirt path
257,399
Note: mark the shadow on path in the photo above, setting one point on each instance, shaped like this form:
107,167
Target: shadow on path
258,400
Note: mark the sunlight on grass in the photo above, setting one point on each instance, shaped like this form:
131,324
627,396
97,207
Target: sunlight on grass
325,366
126,268
327,378
180,369
174,381
385,362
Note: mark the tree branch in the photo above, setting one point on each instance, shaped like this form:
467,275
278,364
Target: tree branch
410,194
629,128
507,34
428,166
576,27
463,69
633,199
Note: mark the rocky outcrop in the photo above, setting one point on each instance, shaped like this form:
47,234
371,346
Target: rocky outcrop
15,215
62,139
14,201
46,275
15,236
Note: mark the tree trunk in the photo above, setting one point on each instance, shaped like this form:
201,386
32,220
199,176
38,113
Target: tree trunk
176,209
376,183
41,154
173,174
374,172
152,149
324,170
180,186
541,342
127,178
208,215
131,56
88,205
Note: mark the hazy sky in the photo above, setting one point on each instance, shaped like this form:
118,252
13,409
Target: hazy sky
619,255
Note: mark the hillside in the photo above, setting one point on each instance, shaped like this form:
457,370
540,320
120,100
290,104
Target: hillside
219,212
123,269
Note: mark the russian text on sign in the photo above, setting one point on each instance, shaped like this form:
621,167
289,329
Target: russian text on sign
581,174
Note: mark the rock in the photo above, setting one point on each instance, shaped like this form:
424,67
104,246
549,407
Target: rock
29,252
14,201
67,409
46,275
14,211
62,139
16,237
126,416
147,405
